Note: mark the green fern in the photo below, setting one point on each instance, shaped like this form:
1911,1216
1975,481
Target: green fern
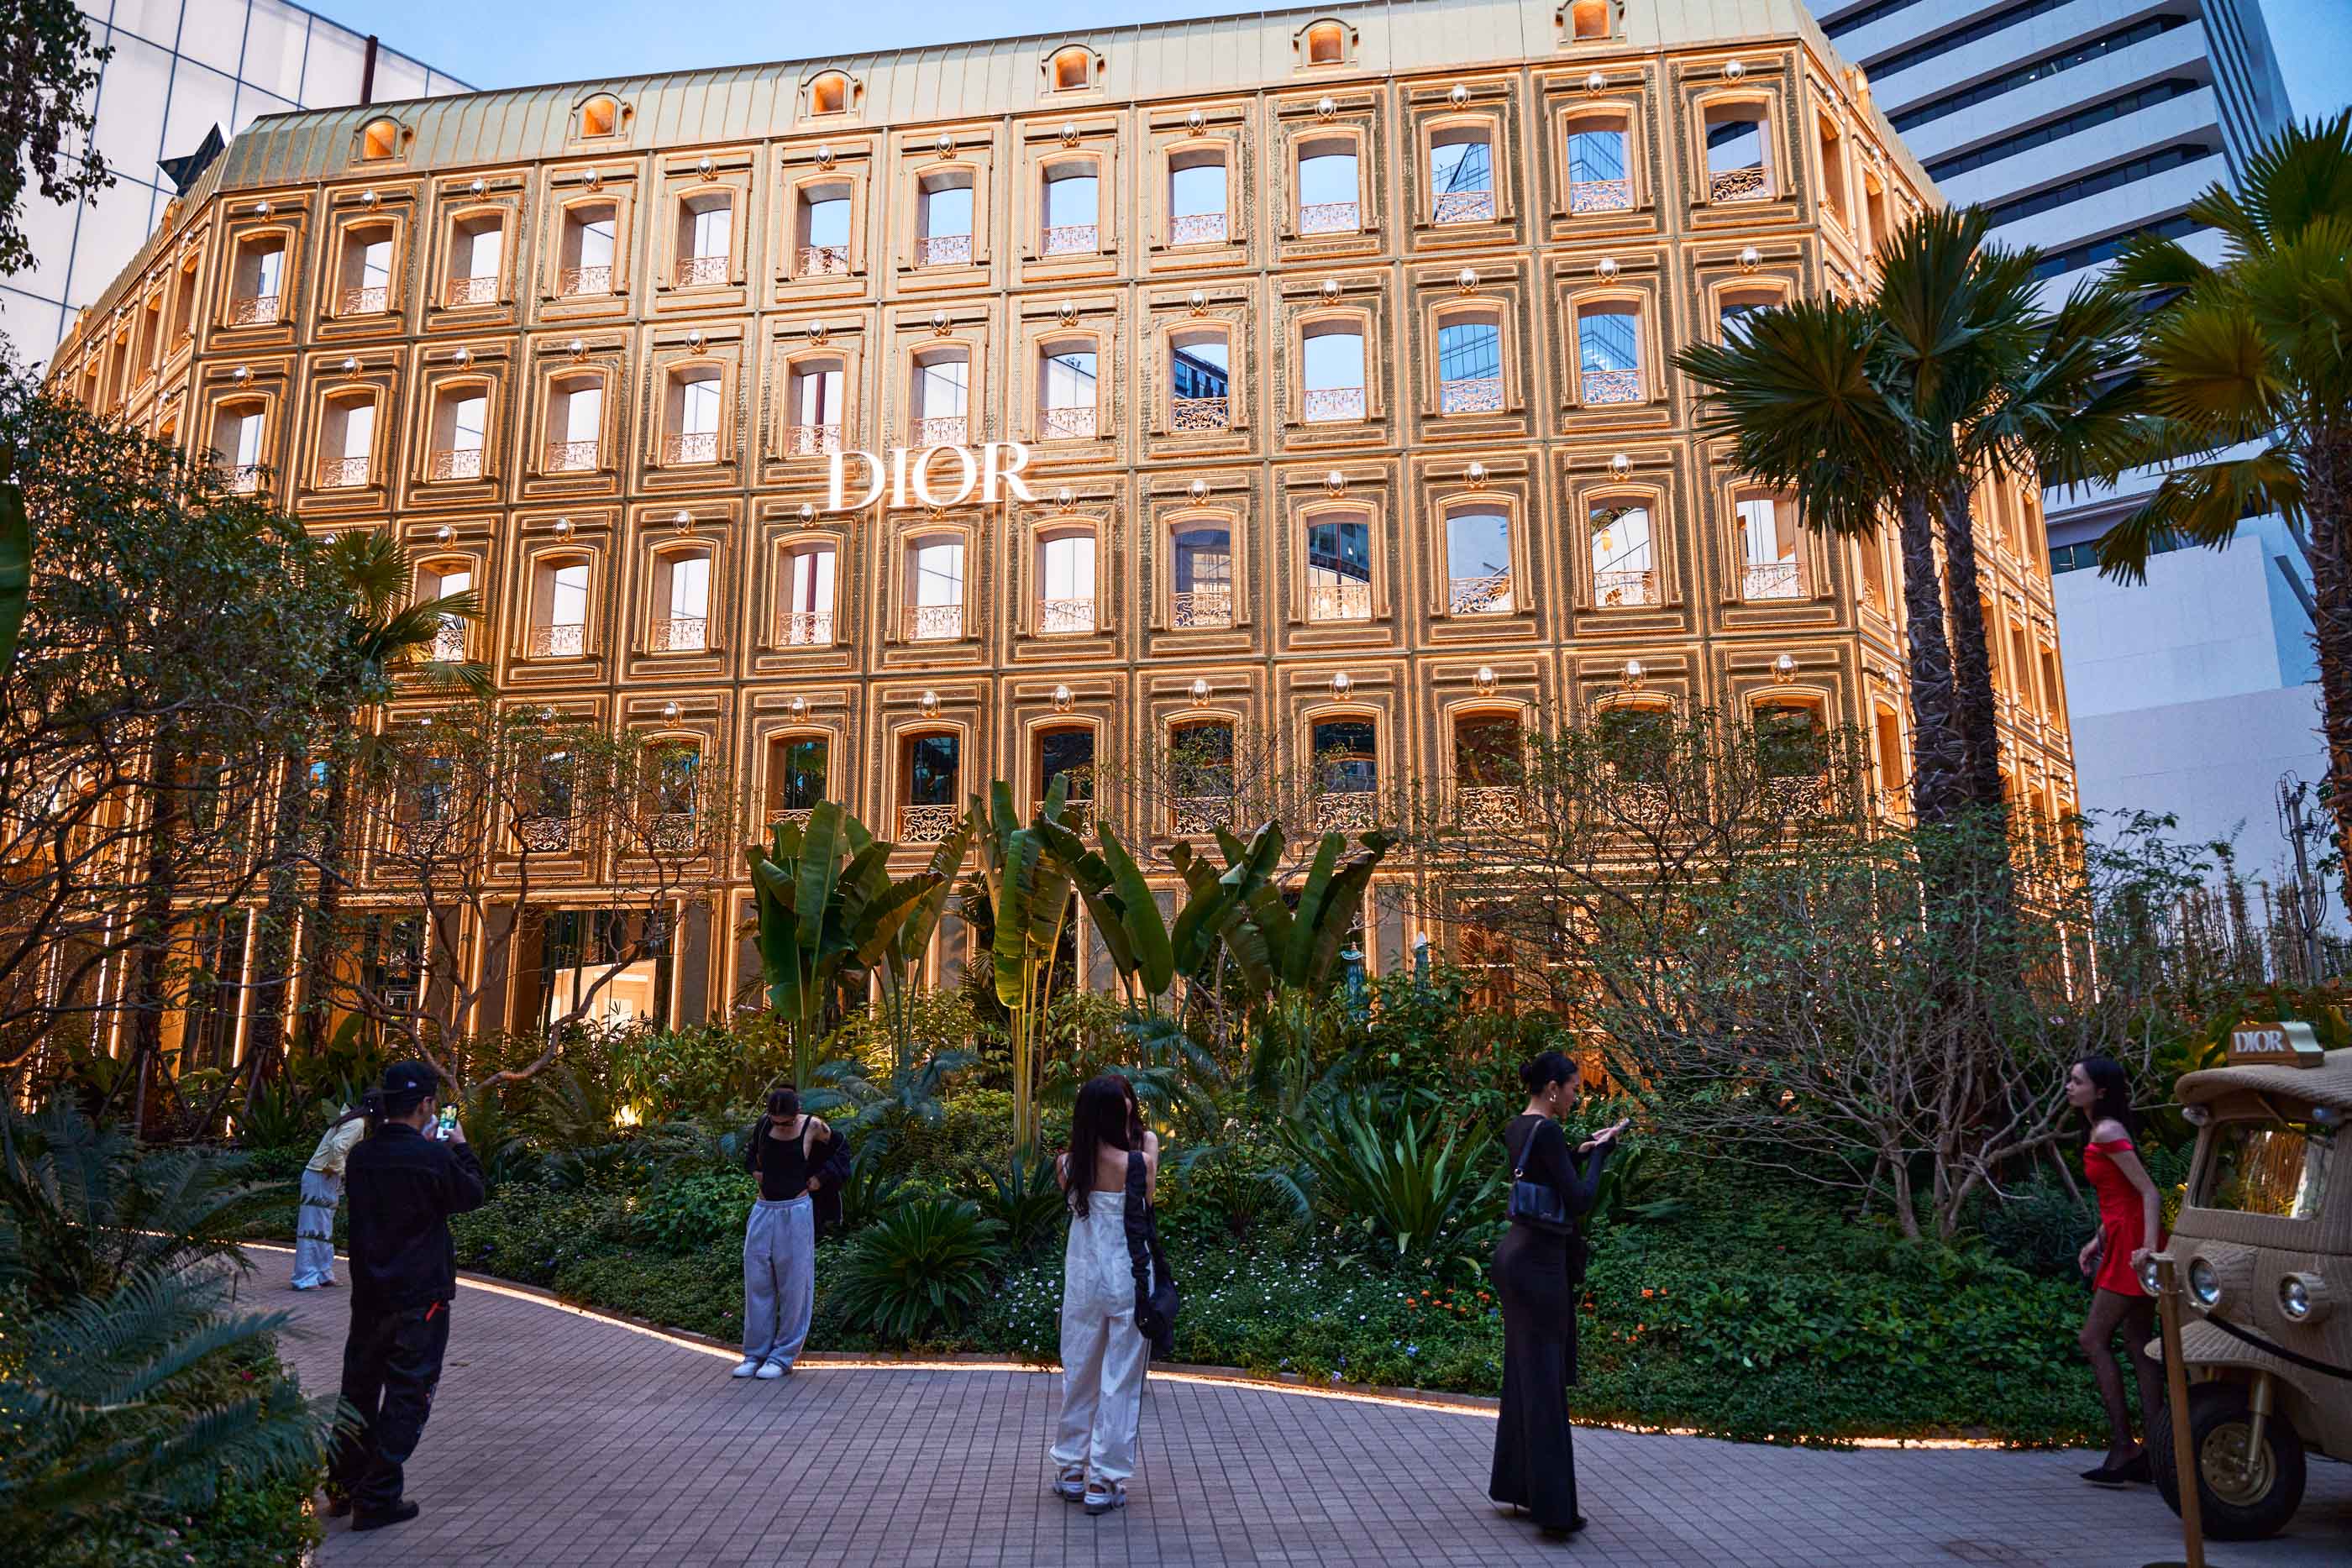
917,1272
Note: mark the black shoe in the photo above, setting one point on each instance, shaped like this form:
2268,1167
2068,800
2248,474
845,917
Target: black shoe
338,1506
2139,1468
2105,1476
1562,1532
401,1514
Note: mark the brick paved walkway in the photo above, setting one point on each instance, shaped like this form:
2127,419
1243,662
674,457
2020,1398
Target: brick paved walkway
567,1441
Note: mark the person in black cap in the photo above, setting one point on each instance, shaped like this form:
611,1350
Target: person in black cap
404,1182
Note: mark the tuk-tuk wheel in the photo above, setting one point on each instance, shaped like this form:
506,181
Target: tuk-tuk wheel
2245,1497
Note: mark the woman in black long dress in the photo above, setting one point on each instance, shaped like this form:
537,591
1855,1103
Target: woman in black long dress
1535,1465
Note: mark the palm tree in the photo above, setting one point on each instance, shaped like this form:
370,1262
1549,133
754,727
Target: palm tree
2258,350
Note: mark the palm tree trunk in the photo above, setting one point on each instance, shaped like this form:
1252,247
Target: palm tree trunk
1975,712
277,956
326,907
2327,507
1938,760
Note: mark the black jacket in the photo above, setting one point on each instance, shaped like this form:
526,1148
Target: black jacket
403,1186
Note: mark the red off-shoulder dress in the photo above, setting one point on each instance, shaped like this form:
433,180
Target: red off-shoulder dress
2122,1223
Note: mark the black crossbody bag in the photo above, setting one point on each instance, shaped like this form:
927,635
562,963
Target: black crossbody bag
1157,1299
1537,1202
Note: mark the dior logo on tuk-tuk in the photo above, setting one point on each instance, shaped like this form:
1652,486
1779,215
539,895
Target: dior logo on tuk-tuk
912,476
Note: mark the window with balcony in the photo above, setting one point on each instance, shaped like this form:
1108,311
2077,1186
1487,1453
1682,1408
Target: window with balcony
1624,571
940,405
574,439
681,601
237,446
257,281
1200,776
1489,767
1326,44
1339,570
1588,19
930,788
1478,562
183,304
1599,168
808,596
934,590
813,408
1068,753
1203,580
1200,379
1609,353
438,581
1071,209
1197,213
346,442
1470,363
695,398
1346,772
1735,309
674,771
1792,754
151,336
796,776
584,263
558,603
1874,587
823,232
1771,566
461,418
364,282
1833,192
1736,169
943,219
477,256
1461,176
1873,202
1329,191
1332,387
706,239
1886,740
1067,393
1066,583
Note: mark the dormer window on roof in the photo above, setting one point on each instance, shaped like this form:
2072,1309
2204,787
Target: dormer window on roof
1071,69
600,117
1325,43
829,94
379,139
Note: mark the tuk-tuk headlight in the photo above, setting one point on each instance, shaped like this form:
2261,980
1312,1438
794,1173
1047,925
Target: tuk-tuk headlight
2148,1281
2294,1298
2204,1283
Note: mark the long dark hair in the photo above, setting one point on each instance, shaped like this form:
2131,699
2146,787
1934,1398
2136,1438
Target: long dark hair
1107,1114
2111,1098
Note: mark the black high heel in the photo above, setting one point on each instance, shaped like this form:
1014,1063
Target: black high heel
2139,1468
2105,1476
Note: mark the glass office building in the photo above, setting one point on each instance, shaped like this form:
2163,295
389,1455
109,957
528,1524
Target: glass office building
181,68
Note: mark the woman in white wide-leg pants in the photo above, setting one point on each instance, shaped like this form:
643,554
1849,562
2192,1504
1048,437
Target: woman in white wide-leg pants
1103,1352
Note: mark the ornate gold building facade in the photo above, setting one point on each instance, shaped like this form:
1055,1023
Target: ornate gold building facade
1337,341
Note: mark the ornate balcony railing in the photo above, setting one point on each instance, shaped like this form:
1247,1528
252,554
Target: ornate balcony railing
1201,608
1491,807
544,835
808,628
1618,589
573,281
1611,386
253,310
811,440
1329,219
685,634
943,250
700,269
823,261
1340,602
459,463
1464,207
242,478
949,430
364,301
341,472
672,832
1065,617
569,457
694,446
472,291
934,623
1323,405
797,814
1634,801
1067,424
1347,811
1197,228
1738,185
927,825
1188,814
1798,795
1487,595
1600,196
449,643
557,641
1470,395
1192,414
1770,579
1072,239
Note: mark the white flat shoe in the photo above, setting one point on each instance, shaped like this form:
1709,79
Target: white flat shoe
772,1369
744,1369
1070,1485
1101,1498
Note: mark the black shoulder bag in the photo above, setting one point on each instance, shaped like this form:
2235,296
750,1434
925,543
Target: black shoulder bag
1537,1202
1157,1299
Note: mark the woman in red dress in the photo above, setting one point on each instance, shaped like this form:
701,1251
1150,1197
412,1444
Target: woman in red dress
2130,1225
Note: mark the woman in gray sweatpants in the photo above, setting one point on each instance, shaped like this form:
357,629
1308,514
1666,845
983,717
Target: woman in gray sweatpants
788,1153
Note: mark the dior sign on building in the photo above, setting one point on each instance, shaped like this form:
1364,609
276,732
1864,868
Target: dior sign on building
913,477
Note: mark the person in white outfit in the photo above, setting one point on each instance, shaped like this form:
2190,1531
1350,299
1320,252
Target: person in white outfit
1103,1352
322,1191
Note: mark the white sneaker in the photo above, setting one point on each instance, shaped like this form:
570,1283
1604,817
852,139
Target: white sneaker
773,1370
745,1368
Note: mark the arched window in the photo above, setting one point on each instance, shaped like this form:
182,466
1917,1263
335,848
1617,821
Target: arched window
1333,382
1588,19
1600,166
1340,568
1200,379
797,766
1201,779
574,439
1833,169
1073,69
1470,363
600,117
257,281
943,219
808,590
1196,196
829,94
1346,771
930,786
1738,155
476,247
1477,562
380,140
365,278
1735,306
585,265
1624,571
461,417
1608,353
1326,44
1462,175
1772,564
1487,753
1202,590
1065,582
1329,189
824,219
1791,752
681,618
939,404
935,575
1072,209
1067,751
693,415
813,413
237,445
705,238
347,441
1067,391
559,607
440,579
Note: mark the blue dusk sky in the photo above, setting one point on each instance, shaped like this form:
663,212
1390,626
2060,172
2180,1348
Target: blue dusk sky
521,42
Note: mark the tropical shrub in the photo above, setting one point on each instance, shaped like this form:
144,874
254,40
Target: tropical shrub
686,1213
921,1269
1026,1199
1399,1182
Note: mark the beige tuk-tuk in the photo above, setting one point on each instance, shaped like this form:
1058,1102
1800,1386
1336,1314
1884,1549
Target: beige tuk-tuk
2262,1249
